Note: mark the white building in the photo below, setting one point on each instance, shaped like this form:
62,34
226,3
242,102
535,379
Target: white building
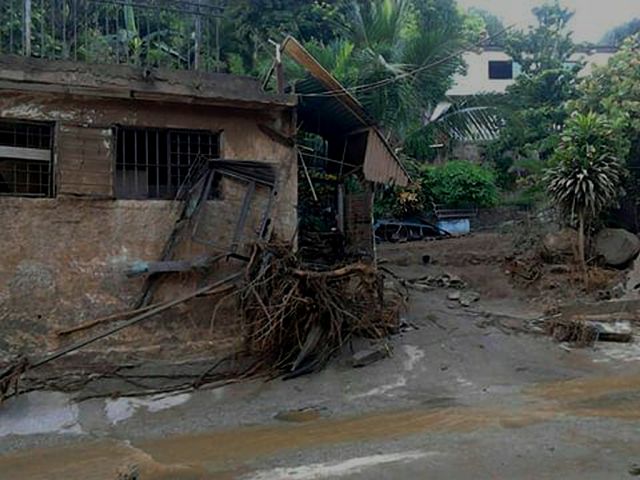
492,70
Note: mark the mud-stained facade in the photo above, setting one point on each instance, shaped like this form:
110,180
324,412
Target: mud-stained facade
65,252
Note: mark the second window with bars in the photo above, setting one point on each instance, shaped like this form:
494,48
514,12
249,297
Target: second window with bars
155,163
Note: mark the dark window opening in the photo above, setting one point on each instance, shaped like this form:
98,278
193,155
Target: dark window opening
26,161
501,70
157,163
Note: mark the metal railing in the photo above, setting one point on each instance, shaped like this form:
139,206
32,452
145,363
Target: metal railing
159,33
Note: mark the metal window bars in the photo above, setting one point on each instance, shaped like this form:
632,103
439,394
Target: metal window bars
157,163
179,34
26,161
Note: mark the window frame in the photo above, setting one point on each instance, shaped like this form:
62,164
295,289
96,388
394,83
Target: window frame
164,161
503,63
29,156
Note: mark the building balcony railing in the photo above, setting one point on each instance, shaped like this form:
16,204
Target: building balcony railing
158,33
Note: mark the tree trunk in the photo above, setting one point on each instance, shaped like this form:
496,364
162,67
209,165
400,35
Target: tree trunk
581,254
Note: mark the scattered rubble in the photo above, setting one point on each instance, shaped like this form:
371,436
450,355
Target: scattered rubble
467,298
430,282
613,332
584,333
585,324
454,296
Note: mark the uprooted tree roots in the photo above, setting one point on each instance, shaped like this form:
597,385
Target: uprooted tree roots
295,319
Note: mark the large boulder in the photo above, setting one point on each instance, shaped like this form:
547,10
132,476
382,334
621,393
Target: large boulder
616,246
558,245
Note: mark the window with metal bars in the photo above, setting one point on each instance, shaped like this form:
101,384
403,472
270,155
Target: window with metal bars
26,160
156,163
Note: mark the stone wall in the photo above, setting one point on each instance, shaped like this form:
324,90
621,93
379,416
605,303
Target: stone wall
63,259
358,226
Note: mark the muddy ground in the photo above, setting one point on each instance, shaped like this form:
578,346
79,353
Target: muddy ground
466,394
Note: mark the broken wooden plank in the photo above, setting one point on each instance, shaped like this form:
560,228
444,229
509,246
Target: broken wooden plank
244,213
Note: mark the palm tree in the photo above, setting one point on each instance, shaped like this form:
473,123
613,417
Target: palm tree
587,177
400,62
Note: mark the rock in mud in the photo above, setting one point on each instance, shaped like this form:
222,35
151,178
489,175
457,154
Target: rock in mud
467,298
617,246
365,357
455,296
560,244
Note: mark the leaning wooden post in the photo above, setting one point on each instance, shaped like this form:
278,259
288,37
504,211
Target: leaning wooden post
26,30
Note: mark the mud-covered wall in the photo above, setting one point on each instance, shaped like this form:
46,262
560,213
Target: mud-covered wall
63,259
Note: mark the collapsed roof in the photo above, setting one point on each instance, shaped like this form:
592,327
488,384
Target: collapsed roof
328,109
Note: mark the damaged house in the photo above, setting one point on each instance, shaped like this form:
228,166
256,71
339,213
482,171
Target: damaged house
125,186
92,161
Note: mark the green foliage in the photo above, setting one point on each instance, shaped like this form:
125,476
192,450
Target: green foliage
547,45
249,24
493,27
614,92
535,104
460,183
404,202
616,36
455,184
587,176
399,58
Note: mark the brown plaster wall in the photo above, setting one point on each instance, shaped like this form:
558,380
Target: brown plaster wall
63,260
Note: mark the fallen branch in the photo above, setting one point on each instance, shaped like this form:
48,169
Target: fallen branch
10,376
339,272
109,318
138,318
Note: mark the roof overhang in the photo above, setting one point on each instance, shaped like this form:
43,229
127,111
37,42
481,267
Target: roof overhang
327,108
22,74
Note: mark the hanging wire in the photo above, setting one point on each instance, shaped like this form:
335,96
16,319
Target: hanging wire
411,73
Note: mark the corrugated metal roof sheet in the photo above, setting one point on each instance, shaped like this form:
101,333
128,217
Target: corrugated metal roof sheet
377,165
330,110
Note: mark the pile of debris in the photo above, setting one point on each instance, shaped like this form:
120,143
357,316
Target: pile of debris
584,324
294,317
430,282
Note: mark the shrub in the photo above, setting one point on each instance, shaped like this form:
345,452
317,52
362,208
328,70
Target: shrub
460,183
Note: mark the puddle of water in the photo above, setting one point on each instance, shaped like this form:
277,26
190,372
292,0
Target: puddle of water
382,389
414,355
186,455
333,470
590,387
125,407
39,412
619,353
